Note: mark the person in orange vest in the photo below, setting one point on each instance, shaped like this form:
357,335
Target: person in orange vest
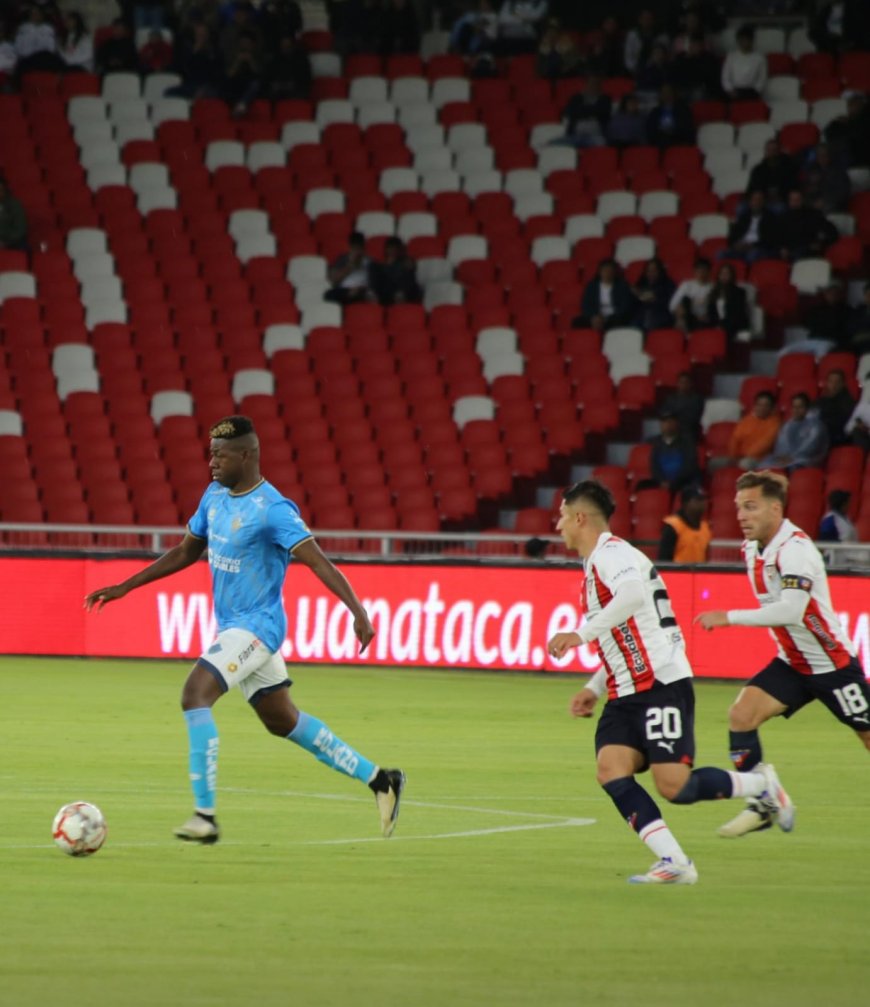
686,535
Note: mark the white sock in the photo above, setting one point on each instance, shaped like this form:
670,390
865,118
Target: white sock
659,838
747,784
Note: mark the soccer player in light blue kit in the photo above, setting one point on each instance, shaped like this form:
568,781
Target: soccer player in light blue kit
251,532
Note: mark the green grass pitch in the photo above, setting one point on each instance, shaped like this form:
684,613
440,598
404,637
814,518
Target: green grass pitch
492,892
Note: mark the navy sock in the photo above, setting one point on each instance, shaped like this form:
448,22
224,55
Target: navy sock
706,784
633,802
745,750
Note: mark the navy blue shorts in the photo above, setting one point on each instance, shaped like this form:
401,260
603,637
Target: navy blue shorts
659,723
845,692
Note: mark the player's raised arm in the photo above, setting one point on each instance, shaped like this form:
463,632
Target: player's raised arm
177,558
310,553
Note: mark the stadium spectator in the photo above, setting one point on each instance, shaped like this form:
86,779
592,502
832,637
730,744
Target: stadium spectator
835,406
825,185
695,72
155,56
117,52
607,301
686,534
586,116
243,74
744,72
400,31
198,63
606,51
670,123
775,175
288,72
754,435
653,75
804,231
358,27
689,302
858,427
849,135
836,525
754,234
8,55
558,56
829,318
476,30
394,280
627,126
279,18
802,441
36,42
13,219
77,47
687,404
690,24
518,24
653,292
674,457
859,325
727,305
241,24
640,39
841,25
349,274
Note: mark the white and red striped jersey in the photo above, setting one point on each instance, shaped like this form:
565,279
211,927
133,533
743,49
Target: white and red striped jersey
813,643
647,645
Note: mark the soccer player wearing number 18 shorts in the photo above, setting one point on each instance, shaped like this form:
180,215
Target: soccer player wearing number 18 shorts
648,722
815,659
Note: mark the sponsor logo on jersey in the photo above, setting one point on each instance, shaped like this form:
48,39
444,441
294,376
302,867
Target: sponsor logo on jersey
227,564
246,653
633,648
821,632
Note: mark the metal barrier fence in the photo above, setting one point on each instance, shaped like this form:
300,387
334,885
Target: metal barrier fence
397,545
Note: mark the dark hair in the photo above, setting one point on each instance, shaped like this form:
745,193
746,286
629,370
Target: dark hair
356,238
766,395
595,493
838,499
773,485
746,31
231,427
702,262
803,397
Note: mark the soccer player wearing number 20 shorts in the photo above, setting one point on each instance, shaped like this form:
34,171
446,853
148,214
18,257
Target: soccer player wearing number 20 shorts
648,722
815,659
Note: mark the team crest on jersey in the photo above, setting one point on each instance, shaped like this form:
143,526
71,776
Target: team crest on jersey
237,523
212,512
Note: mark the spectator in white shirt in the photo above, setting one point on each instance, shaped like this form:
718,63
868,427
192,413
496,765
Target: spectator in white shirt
689,303
744,72
518,22
35,35
77,48
8,55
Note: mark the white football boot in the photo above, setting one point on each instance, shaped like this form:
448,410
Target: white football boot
666,872
198,830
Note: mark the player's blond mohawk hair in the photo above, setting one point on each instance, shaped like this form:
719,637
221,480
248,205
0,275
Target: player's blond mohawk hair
230,427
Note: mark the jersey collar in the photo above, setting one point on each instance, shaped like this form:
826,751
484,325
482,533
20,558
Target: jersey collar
256,486
786,530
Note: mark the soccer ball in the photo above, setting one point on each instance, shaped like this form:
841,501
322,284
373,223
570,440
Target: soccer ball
79,829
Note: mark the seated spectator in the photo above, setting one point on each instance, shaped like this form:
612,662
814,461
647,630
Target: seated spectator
148,14
605,53
36,43
244,74
288,73
825,185
754,234
77,47
586,116
829,318
727,305
849,135
156,55
690,23
400,31
686,535
13,219
670,123
607,302
198,63
674,457
8,55
653,292
836,526
117,52
804,231
558,56
775,175
695,72
281,17
755,434
350,274
640,40
687,404
843,24
477,28
394,281
627,126
689,302
835,406
241,22
802,441
744,72
518,24
652,76
859,325
857,430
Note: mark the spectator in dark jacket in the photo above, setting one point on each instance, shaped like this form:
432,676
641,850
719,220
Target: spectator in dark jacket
829,318
775,175
754,234
400,31
804,231
289,70
695,72
727,306
586,115
607,301
394,280
117,53
198,63
687,404
835,406
825,185
859,325
606,56
670,123
849,134
13,220
674,458
653,292
627,127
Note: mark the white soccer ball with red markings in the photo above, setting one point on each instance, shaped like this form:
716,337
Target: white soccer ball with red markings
79,829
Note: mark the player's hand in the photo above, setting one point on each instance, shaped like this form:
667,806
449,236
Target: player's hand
103,595
364,631
583,703
712,620
561,643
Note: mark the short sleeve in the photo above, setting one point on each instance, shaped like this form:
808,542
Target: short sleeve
198,524
616,565
288,528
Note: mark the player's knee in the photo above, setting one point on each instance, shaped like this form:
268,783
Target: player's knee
685,792
742,718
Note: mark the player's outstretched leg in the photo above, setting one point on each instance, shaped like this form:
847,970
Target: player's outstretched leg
672,866
202,827
766,797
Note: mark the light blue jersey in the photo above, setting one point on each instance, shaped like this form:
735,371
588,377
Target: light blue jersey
249,536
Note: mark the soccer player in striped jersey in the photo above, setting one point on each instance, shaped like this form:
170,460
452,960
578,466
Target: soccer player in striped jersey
648,722
251,533
815,659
